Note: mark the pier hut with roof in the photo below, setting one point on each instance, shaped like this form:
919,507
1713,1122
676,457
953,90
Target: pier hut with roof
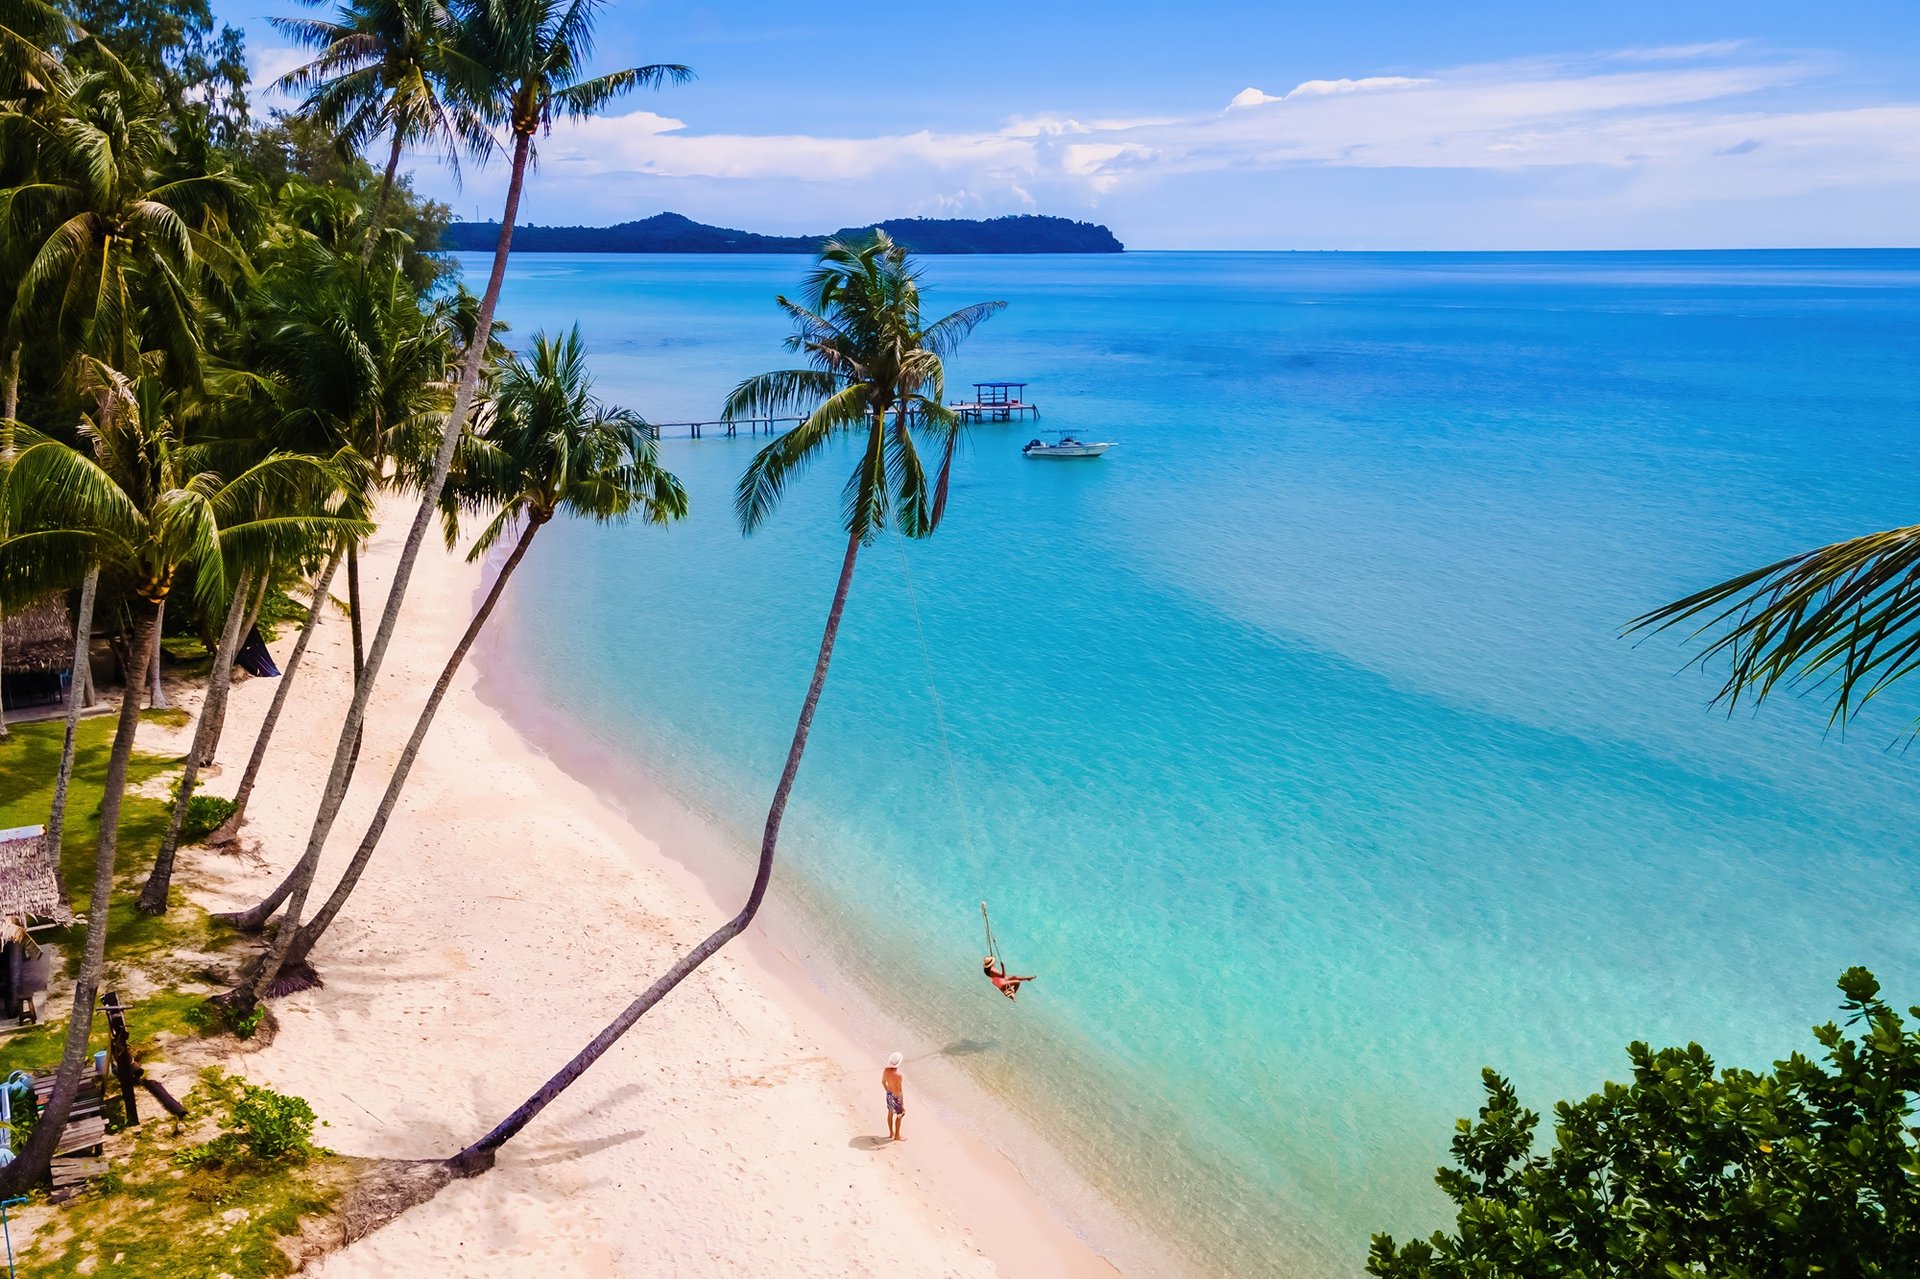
995,402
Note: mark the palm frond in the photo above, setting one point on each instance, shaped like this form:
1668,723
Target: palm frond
1840,618
780,393
786,456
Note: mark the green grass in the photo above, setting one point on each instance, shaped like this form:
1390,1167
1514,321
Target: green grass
167,1013
148,1216
32,760
152,1218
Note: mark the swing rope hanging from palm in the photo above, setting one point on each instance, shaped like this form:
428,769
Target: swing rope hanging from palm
994,965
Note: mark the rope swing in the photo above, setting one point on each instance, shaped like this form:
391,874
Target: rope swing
995,964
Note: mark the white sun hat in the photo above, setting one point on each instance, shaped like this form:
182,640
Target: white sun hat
895,1060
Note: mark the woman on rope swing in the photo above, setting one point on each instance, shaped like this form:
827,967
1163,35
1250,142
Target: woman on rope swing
995,970
997,974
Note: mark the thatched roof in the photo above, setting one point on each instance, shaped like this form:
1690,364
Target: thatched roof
28,887
38,637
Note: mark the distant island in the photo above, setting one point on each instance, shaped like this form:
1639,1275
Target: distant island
672,233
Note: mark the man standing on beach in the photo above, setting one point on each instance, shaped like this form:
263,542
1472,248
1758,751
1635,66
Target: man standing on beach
896,1089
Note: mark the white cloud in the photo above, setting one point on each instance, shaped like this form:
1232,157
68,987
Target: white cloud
1320,88
1703,123
1681,52
1251,97
266,64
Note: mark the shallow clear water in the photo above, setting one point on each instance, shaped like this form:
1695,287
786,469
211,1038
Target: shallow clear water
1299,751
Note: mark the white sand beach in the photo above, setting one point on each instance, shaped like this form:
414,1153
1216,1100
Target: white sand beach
510,913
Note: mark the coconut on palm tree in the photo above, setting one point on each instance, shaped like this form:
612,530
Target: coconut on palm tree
518,64
545,447
874,370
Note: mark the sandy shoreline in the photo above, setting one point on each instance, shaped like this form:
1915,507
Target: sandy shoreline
509,914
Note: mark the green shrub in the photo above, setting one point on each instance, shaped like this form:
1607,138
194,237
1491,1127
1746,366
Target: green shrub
273,1125
204,814
261,1127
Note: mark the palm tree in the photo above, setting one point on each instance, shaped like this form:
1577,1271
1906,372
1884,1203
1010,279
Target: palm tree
148,506
516,64
380,71
1838,618
547,447
351,362
116,275
869,354
153,895
229,829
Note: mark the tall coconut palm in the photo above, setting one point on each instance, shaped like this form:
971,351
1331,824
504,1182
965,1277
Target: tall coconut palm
874,368
146,505
1837,618
518,63
546,447
380,71
360,364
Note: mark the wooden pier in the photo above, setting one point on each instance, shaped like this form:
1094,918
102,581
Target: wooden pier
991,402
693,430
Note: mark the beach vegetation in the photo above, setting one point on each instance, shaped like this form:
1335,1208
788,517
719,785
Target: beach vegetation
874,369
1807,1168
258,1125
184,1200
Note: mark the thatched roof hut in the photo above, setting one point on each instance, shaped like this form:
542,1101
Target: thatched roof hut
29,889
38,637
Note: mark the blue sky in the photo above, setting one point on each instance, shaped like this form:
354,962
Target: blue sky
1481,124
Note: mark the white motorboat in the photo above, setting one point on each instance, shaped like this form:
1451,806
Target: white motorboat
1065,446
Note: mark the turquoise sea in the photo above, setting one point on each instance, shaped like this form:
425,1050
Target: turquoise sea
1296,746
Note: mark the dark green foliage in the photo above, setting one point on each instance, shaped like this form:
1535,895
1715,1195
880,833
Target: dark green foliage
172,46
280,610
204,815
1807,1169
673,233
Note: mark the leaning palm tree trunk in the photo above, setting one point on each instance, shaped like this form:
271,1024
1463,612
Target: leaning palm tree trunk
303,943
76,700
377,220
353,611
4,731
34,1159
336,789
153,898
159,699
478,1157
230,828
218,728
